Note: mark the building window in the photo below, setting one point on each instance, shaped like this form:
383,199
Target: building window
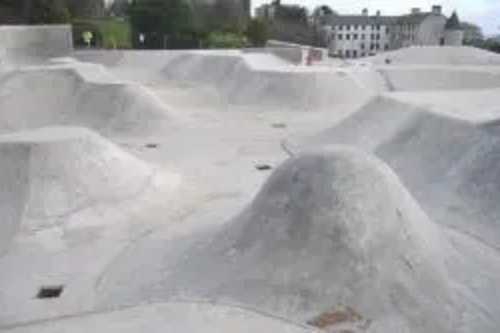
362,46
372,36
341,27
378,36
340,37
348,27
377,46
386,47
372,46
362,36
378,27
354,54
363,27
387,31
355,36
355,27
348,36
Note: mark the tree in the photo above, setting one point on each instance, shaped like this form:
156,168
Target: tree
118,8
224,15
294,13
324,10
86,8
319,20
46,12
37,11
257,32
59,12
472,33
162,22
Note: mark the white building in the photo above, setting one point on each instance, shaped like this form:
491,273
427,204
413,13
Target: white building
353,36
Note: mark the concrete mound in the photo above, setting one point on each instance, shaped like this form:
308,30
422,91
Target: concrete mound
139,66
63,178
79,96
268,82
428,78
439,55
328,229
448,163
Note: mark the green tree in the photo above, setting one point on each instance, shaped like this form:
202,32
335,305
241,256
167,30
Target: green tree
223,15
59,12
118,8
293,13
257,32
37,11
472,33
86,8
161,21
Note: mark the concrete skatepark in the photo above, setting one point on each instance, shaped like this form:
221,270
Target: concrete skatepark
223,191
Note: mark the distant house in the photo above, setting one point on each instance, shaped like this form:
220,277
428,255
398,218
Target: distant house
430,28
353,36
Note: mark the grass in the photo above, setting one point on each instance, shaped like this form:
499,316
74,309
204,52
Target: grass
115,31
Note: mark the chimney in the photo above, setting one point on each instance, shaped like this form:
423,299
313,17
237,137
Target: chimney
415,11
378,12
437,10
365,12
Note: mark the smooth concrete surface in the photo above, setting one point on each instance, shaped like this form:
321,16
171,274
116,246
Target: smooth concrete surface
21,44
438,55
179,316
222,191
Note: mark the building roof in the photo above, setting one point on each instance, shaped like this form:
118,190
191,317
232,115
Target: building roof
359,20
453,23
410,19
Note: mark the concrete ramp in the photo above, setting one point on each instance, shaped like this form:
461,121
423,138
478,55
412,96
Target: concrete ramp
435,78
79,96
140,66
203,67
438,55
58,179
270,83
34,44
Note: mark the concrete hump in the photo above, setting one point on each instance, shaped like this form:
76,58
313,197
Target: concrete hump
79,96
263,81
439,78
439,55
202,67
329,229
448,162
70,178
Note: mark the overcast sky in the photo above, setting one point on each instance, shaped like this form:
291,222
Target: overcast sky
486,13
